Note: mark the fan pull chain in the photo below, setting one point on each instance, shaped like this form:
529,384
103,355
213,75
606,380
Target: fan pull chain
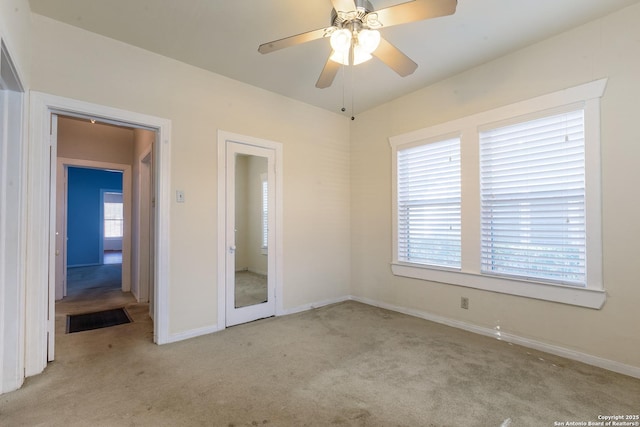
353,89
344,84
343,109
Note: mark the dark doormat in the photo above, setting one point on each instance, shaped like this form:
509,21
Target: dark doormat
97,320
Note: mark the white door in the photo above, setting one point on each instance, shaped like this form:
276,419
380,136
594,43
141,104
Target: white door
150,201
55,238
61,230
250,233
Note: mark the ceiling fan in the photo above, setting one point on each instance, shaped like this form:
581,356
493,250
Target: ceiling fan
354,35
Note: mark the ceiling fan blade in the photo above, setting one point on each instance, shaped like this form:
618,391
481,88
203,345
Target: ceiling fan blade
417,10
344,5
328,74
293,40
396,60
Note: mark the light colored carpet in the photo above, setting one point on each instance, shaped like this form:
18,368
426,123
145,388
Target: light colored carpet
82,278
347,364
251,288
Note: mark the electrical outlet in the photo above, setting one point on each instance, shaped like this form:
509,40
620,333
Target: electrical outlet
464,303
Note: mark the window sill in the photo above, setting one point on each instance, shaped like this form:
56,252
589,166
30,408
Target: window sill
583,297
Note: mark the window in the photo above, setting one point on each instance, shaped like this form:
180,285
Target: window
533,199
429,204
113,215
507,200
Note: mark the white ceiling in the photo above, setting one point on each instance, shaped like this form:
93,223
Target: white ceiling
223,36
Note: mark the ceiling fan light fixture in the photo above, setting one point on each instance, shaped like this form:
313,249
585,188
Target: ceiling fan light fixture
359,56
341,41
345,27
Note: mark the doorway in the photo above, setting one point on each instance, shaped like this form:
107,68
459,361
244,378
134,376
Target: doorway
41,239
89,241
93,166
99,214
250,189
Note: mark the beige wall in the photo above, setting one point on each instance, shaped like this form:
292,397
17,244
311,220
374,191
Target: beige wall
605,48
15,31
242,213
257,168
80,139
315,171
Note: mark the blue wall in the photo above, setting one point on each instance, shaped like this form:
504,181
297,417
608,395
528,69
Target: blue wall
84,230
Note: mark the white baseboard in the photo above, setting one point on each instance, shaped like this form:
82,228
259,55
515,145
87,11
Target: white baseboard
611,365
192,333
311,306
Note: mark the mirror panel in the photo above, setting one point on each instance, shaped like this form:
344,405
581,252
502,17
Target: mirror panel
251,252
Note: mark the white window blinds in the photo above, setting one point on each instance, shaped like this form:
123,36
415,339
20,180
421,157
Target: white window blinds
428,197
113,215
532,178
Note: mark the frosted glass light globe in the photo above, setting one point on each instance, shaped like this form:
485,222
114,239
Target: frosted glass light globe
341,40
369,40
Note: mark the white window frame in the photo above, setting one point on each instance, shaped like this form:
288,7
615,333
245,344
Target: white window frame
106,195
593,295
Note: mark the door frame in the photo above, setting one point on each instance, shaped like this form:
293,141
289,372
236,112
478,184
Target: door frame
236,315
13,225
277,250
40,276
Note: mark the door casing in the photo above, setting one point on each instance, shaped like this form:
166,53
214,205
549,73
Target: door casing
275,251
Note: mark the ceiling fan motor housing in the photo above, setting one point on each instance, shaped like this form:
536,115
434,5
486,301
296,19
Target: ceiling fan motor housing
340,20
364,4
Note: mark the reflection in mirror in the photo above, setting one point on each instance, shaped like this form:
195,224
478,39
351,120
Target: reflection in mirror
251,231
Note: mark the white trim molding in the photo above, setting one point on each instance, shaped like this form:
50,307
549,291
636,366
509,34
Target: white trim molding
193,333
314,305
590,298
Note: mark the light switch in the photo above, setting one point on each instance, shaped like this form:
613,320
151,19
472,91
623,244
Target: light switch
180,196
